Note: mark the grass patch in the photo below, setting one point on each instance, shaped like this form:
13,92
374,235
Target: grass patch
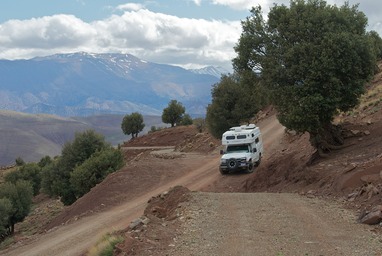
7,242
106,245
370,102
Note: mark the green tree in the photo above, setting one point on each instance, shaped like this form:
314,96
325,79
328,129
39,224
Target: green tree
231,104
315,58
49,178
28,172
19,161
376,42
186,120
153,129
44,161
173,114
56,176
95,169
20,195
5,214
132,124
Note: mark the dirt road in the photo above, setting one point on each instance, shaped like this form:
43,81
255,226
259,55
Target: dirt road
271,224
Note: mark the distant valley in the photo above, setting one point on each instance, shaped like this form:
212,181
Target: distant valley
32,137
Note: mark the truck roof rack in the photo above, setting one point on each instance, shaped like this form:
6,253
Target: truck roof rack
243,127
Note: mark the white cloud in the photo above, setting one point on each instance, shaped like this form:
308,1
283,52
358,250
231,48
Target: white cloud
198,2
25,38
130,7
166,38
152,36
243,4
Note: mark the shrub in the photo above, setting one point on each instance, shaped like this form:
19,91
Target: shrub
5,213
186,120
28,172
19,161
95,169
20,196
56,175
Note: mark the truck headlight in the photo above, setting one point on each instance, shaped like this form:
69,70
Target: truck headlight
223,161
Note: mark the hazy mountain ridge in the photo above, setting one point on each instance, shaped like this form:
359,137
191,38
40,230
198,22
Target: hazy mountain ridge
87,84
32,137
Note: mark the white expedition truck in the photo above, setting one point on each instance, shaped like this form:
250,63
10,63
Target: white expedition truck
243,149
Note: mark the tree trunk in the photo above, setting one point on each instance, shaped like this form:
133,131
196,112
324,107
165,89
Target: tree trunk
327,139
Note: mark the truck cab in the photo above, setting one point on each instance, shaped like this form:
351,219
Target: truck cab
243,149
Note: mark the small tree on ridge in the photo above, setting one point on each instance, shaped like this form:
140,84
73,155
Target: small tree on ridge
132,124
173,114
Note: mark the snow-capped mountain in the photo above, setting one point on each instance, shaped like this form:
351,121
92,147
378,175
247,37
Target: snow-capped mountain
211,70
87,84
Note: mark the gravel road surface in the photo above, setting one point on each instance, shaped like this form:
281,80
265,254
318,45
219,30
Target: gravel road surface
271,224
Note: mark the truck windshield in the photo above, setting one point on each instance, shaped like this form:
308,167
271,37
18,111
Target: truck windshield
237,148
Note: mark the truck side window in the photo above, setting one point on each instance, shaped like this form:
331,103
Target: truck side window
257,140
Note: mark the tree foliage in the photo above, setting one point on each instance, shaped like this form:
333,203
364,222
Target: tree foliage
233,102
132,124
82,147
186,120
95,169
173,114
19,161
20,197
56,175
376,42
44,161
49,176
5,214
315,59
29,172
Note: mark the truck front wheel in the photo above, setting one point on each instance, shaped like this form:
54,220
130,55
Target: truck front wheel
250,168
258,162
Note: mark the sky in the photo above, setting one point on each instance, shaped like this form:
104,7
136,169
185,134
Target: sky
187,33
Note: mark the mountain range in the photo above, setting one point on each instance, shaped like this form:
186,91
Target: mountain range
84,84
